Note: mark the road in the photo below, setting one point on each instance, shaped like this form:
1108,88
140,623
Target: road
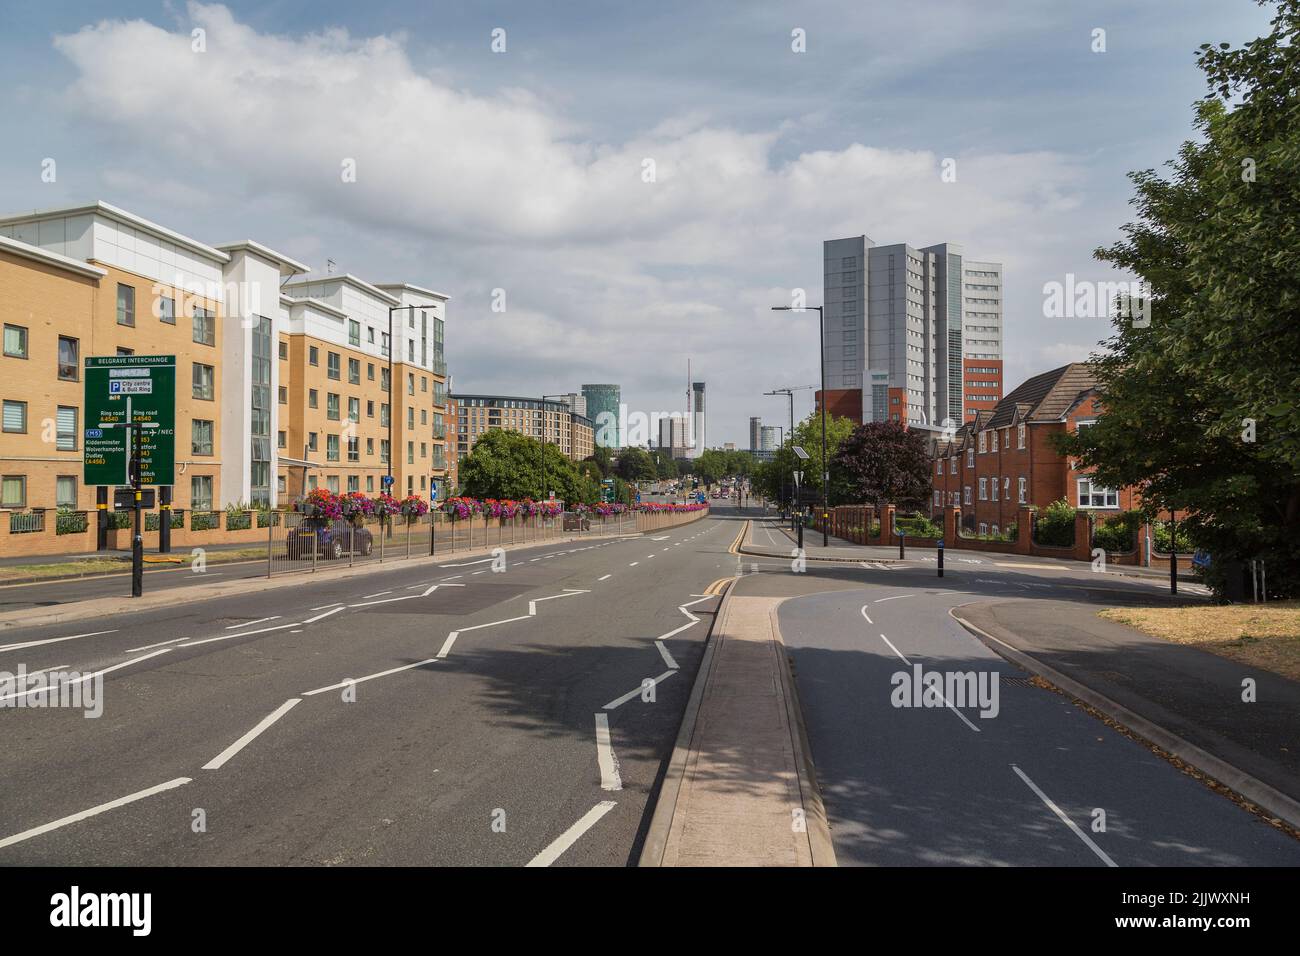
941,785
493,718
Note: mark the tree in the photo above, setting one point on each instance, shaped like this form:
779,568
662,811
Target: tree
1201,406
885,463
506,464
601,458
635,464
808,436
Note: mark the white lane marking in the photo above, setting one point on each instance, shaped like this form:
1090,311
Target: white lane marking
634,564
54,640
404,597
260,620
896,650
357,680
56,667
620,701
376,594
1064,818
231,637
452,577
465,564
313,620
609,778
896,597
93,811
220,759
321,607
433,587
867,616
663,652
149,647
85,677
569,592
662,537
572,835
605,577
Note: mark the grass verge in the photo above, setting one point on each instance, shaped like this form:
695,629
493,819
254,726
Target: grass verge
122,564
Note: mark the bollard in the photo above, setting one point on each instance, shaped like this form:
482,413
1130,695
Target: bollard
901,535
940,553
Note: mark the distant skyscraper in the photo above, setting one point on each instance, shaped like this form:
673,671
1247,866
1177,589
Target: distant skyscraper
672,435
755,433
697,417
602,408
904,327
770,439
577,402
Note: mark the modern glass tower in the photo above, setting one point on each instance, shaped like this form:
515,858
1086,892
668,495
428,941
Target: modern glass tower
602,408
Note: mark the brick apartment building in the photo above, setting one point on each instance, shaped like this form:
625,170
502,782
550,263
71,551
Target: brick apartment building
1004,459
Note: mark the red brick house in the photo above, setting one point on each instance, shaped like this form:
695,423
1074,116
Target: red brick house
1003,459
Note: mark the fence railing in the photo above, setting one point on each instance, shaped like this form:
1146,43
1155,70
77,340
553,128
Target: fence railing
298,543
26,523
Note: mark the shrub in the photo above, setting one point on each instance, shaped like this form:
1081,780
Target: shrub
1160,539
203,520
266,518
1055,525
70,522
119,519
1118,534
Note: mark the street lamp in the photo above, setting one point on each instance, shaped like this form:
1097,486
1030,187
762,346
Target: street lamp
392,390
826,465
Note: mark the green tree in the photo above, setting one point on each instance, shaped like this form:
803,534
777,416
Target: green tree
808,436
506,464
885,463
1202,406
635,464
602,459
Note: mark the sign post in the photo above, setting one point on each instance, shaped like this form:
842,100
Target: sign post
130,439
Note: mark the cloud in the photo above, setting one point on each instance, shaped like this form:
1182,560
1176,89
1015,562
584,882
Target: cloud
609,277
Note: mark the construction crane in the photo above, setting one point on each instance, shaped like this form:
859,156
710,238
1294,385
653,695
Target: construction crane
789,393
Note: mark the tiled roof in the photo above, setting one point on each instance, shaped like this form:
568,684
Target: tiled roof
1045,397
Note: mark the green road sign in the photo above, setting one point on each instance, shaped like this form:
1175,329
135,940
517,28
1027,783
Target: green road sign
121,389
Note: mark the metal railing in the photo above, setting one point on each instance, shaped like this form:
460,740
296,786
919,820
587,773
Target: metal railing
298,543
20,523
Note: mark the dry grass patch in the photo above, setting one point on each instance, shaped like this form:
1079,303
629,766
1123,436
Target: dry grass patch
1260,635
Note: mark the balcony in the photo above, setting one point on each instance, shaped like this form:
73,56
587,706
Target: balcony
440,367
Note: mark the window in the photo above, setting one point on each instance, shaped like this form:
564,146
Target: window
201,492
283,395
370,371
332,365
1006,488
167,309
354,409
952,465
370,481
284,351
14,494
332,406
383,379
984,528
202,381
410,418
936,497
332,483
313,355
282,439
938,467
66,428
370,447
65,491
1020,436
205,327
1020,489
383,450
313,398
410,383
354,332
331,447
122,350
354,450
15,341
125,304
200,437
410,453
993,489
984,489
383,346
1084,423
967,494
1096,496
281,485
994,446
983,442
69,358
994,531
312,482
970,457
354,482
370,409
311,441
15,416
354,371
383,414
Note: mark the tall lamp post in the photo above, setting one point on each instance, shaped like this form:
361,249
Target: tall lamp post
392,386
543,455
826,465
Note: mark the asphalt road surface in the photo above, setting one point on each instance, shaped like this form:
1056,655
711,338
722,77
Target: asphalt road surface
446,715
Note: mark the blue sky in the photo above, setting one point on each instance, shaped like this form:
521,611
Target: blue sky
521,170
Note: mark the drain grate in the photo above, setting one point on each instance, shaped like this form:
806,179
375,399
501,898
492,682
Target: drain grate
1017,681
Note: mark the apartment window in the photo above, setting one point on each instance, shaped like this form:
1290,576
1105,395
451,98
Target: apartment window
125,304
122,350
201,492
410,383
283,395
354,409
410,351
1006,489
936,498
331,406
383,346
65,491
383,414
1096,496
281,485
370,334
313,398
205,326
15,416
370,408
311,441
15,341
202,381
994,446
354,332
424,384
354,482
370,371
970,457
383,450
313,355
354,371
984,528
938,467
167,309
284,351
1020,489
14,493
332,365
993,489
200,437
69,358
410,418
952,465
383,379
1020,436
331,447
983,443
282,439
984,494
312,482
370,483
966,491
354,450
66,428
410,453
332,483
424,450
370,447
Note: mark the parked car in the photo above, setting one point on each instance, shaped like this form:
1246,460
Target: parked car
331,540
